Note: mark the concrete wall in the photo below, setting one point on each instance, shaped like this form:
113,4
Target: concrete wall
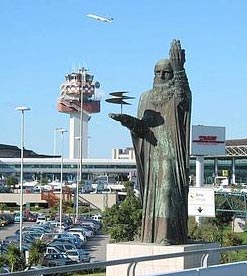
15,198
100,201
117,251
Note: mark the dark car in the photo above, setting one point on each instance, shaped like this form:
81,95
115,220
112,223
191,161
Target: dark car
57,259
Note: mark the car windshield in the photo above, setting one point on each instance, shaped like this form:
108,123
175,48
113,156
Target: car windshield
72,253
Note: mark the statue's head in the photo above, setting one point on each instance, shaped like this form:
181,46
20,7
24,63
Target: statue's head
162,71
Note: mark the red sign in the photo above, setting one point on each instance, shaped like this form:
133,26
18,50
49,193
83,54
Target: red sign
207,139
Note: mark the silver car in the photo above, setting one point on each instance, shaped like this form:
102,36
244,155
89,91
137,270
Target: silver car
78,255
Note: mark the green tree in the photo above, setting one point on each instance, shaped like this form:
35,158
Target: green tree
36,253
122,221
3,207
11,181
2,261
217,230
15,259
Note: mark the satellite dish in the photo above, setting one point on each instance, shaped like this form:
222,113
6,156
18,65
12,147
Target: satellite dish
97,84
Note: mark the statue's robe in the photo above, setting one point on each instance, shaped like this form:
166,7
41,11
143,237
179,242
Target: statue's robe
162,157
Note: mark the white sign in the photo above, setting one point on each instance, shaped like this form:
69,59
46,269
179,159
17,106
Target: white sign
208,140
201,202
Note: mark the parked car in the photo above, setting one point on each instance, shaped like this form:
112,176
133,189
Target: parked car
32,217
41,219
33,234
97,217
48,237
79,233
57,260
66,237
78,255
2,222
86,231
17,217
52,250
63,246
4,189
8,218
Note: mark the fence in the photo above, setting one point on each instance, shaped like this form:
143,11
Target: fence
228,269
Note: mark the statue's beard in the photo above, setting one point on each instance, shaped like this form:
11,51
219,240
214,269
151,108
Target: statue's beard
162,92
162,84
159,81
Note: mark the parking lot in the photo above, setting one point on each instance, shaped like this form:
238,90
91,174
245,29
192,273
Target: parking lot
96,246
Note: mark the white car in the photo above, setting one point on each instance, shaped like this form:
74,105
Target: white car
97,217
78,233
41,219
86,232
78,255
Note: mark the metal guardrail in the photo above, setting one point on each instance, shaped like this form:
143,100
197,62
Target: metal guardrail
131,261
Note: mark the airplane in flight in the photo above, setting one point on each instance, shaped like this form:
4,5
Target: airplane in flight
100,18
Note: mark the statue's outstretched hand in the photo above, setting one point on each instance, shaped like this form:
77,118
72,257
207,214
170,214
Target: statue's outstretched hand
126,120
136,126
177,56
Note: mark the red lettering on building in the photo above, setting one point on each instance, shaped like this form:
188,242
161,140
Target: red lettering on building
208,139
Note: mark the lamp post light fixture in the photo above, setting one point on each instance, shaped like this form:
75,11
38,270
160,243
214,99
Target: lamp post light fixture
61,130
22,109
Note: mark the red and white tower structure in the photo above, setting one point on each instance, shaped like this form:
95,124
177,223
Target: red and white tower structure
78,99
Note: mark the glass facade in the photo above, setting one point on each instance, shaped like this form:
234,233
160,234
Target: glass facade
224,166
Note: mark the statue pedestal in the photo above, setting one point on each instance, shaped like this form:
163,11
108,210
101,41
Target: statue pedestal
116,251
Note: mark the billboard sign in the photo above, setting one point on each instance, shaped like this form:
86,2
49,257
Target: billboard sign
201,202
208,140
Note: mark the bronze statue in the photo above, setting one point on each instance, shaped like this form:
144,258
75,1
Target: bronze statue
160,136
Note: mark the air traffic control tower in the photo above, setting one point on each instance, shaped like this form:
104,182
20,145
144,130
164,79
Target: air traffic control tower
78,99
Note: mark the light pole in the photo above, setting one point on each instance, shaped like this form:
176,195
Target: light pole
83,81
55,144
22,109
55,140
78,182
88,146
61,130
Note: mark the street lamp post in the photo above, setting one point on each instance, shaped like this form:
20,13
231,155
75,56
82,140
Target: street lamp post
78,183
61,130
55,140
83,81
22,109
55,144
78,179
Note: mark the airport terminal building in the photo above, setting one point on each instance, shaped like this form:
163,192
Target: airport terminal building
231,166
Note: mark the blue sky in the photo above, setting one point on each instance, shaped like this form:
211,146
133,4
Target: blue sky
42,40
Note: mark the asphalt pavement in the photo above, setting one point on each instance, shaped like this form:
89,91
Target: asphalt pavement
96,246
10,229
